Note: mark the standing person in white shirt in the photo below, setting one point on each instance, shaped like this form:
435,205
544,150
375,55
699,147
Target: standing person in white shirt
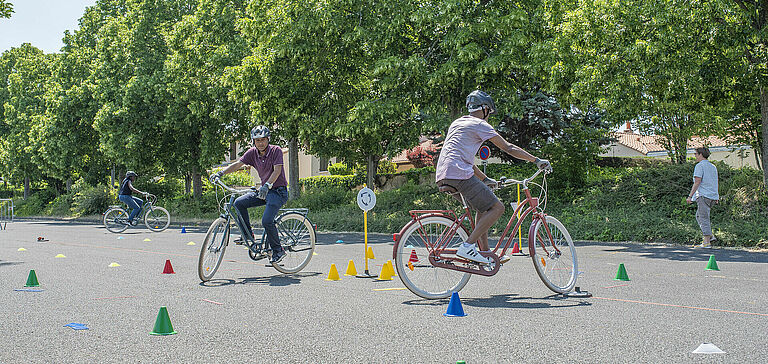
456,169
705,193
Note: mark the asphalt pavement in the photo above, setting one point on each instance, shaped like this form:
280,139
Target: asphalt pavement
252,313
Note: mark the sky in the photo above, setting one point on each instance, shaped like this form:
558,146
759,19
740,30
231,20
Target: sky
41,22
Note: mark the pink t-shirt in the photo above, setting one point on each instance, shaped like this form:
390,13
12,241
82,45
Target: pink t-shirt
265,163
465,136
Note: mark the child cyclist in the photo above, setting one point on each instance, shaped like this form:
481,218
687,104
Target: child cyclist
268,161
456,169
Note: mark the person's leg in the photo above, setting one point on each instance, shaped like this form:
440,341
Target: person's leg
702,217
133,208
276,198
139,202
484,222
242,204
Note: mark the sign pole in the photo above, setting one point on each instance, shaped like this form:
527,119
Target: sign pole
365,250
366,200
519,232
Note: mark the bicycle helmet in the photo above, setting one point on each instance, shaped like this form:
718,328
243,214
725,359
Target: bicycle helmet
131,174
260,131
477,99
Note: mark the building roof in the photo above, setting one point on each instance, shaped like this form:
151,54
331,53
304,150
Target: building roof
655,143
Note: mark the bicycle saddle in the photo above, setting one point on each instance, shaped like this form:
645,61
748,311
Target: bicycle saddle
447,189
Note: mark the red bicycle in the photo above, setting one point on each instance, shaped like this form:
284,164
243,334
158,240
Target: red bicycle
425,249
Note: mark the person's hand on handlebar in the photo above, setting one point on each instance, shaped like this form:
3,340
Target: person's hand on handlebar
215,176
490,182
543,164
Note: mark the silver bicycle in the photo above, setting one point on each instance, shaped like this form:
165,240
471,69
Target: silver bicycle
297,235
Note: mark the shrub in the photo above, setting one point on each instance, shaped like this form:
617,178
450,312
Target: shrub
386,166
422,157
92,200
331,182
340,169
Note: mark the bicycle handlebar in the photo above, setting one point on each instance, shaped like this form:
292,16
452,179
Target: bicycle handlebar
221,184
504,181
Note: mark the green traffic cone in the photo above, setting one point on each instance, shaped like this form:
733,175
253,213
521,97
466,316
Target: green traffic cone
32,279
163,323
621,275
712,265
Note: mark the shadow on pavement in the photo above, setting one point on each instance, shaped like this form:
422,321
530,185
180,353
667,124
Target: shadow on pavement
682,253
508,301
6,263
276,280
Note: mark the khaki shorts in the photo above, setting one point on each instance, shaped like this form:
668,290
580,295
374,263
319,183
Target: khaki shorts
478,196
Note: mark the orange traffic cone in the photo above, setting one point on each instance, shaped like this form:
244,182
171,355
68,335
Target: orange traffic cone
168,268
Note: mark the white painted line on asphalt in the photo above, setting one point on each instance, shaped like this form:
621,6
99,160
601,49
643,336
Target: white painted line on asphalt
109,298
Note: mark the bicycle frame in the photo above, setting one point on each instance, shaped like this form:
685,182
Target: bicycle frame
442,256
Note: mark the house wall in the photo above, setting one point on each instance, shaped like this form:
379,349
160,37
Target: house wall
734,157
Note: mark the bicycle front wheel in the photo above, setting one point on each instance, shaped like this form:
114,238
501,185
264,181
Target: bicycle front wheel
554,255
412,258
212,251
298,237
115,220
157,219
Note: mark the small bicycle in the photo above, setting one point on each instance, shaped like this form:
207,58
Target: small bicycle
296,232
155,218
425,249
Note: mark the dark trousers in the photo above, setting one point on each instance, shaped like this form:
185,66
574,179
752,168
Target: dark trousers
276,198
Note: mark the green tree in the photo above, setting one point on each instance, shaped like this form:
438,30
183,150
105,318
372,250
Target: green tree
24,74
640,61
200,118
6,9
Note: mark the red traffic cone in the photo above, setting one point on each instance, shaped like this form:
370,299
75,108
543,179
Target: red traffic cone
168,268
413,258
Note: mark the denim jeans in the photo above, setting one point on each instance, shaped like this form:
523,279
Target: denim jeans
276,198
134,204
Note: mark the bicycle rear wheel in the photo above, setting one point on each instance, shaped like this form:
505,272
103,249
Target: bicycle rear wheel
212,251
298,237
115,220
554,257
157,219
412,258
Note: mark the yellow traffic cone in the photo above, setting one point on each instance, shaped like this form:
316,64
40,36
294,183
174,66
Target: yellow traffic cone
333,275
351,271
369,254
385,275
391,268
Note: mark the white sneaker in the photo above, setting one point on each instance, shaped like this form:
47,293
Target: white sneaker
470,252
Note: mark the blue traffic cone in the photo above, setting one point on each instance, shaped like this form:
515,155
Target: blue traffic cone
454,307
183,230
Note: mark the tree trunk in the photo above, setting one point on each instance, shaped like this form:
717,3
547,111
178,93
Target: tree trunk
69,185
232,151
112,177
187,184
197,184
373,162
764,116
293,169
26,187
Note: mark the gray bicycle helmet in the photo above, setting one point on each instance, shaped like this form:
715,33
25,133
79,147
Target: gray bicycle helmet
477,99
260,131
131,174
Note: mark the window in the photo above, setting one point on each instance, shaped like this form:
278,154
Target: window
323,164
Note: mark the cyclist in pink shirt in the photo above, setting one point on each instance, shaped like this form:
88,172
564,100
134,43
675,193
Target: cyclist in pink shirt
456,169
